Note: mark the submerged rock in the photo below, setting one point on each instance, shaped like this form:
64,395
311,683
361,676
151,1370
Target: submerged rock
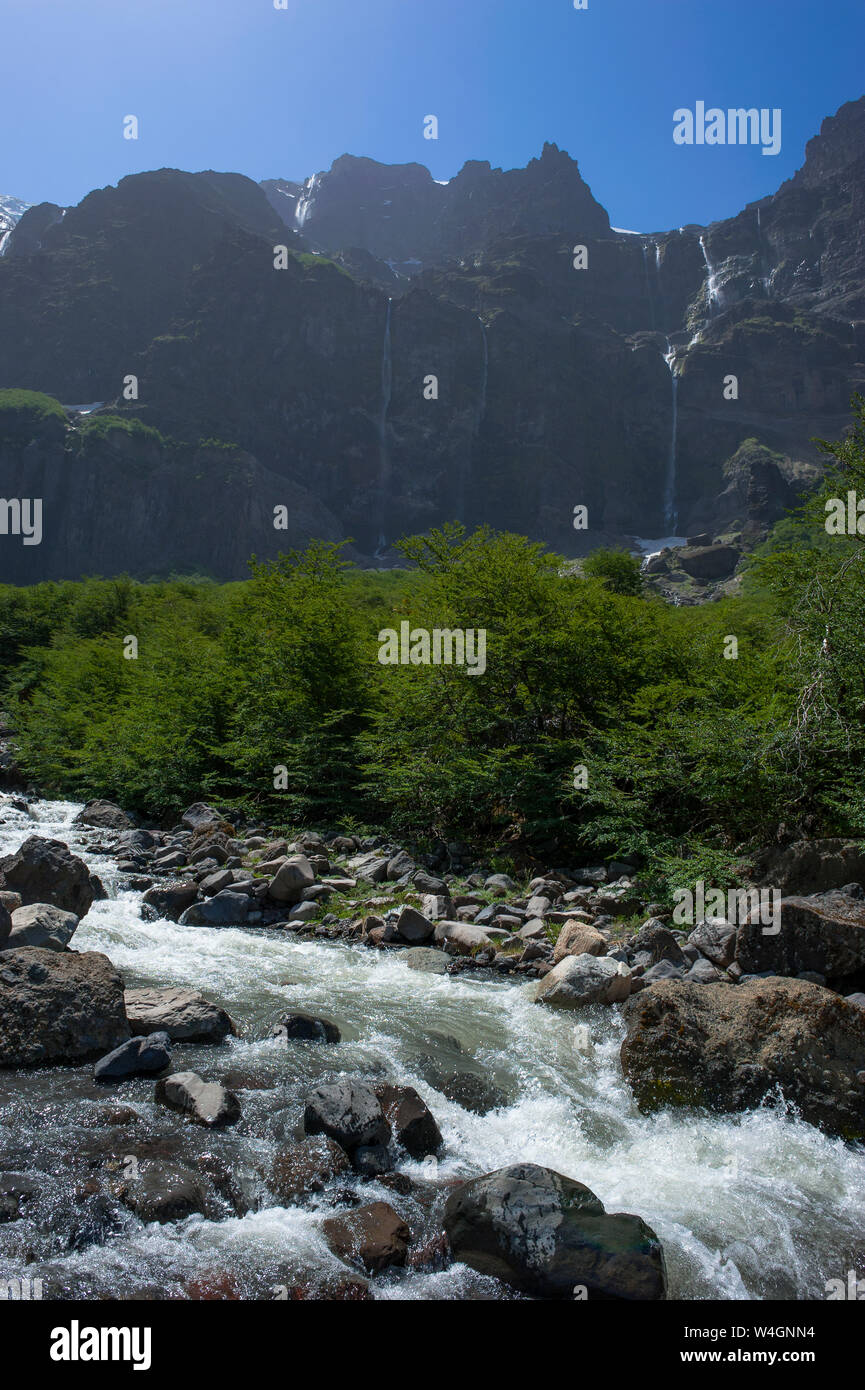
375,1236
306,1167
729,1048
298,1027
551,1237
410,1119
349,1112
205,1102
136,1057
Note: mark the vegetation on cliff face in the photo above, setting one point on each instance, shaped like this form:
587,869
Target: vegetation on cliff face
686,747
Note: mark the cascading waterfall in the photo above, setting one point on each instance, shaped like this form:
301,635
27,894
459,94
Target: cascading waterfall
649,295
713,291
671,515
384,454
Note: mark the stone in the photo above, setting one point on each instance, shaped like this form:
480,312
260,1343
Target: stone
811,866
729,1048
472,1092
291,878
413,927
410,1120
374,1236
105,815
824,933
463,938
658,941
348,1112
533,930
200,816
205,1102
578,939
184,1014
165,1192
45,871
40,924
306,1167
401,863
664,970
703,972
500,884
716,940
137,1057
580,980
548,1235
58,1007
225,909
216,882
425,958
298,1027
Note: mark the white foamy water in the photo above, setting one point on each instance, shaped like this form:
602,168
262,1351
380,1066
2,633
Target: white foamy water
751,1206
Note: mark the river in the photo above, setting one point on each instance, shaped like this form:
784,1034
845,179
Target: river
757,1206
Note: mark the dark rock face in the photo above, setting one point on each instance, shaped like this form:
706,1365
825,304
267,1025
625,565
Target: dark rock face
165,1192
528,352
58,1007
303,1168
824,933
46,871
728,1048
549,1235
808,866
304,1028
168,900
348,1112
137,1057
411,1122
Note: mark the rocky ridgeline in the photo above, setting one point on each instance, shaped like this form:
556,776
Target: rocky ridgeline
720,1016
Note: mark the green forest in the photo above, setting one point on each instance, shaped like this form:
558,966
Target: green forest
688,752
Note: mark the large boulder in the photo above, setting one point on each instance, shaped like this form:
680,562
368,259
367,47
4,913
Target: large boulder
40,924
46,871
464,938
105,815
205,1102
374,1236
184,1014
291,878
580,980
298,1027
709,561
201,817
824,933
410,1119
551,1237
413,927
811,866
58,1007
716,940
348,1112
168,900
728,1048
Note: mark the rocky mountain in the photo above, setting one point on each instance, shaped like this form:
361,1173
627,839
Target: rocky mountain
11,209
427,352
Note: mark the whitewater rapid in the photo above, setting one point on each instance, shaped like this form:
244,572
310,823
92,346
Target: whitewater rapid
752,1206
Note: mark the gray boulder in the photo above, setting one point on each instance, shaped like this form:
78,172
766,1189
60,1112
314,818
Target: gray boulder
291,878
348,1112
824,933
225,909
716,940
46,871
58,1006
413,927
580,980
200,816
550,1237
105,815
137,1057
184,1014
40,924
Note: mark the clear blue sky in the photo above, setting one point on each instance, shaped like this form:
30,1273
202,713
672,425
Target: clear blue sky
238,85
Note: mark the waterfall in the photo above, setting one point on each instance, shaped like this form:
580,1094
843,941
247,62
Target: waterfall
485,371
383,454
670,514
648,285
713,293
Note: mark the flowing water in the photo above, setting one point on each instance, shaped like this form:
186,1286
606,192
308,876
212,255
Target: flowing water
671,515
751,1206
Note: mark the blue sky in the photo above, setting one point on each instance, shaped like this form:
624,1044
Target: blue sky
238,85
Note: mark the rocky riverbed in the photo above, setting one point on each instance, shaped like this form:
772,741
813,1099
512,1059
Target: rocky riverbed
233,1066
